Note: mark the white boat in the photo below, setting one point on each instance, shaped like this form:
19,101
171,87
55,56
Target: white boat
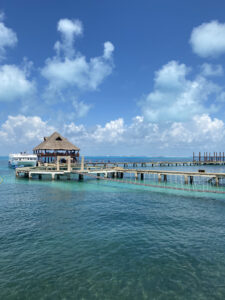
22,160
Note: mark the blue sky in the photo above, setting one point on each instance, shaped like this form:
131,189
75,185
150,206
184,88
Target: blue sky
115,77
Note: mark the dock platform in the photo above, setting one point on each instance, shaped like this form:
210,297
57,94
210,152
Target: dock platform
56,173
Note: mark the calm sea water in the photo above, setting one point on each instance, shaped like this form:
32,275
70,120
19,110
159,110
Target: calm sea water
99,240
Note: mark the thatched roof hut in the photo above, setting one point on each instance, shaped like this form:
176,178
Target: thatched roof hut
56,145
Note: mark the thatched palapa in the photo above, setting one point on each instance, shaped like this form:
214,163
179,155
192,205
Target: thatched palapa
56,145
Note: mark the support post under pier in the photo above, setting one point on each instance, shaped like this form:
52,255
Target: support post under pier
159,177
80,177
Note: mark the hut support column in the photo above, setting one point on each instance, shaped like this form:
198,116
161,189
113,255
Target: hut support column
58,158
69,164
185,179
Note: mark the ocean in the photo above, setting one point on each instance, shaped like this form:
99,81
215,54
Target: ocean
106,240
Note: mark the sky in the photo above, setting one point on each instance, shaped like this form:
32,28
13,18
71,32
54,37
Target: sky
140,78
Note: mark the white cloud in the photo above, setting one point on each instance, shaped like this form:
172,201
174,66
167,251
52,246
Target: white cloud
208,39
211,70
176,98
14,84
71,70
115,137
69,29
21,131
111,132
209,129
108,50
145,138
8,37
81,108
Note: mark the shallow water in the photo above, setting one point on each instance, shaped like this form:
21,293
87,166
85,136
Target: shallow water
99,240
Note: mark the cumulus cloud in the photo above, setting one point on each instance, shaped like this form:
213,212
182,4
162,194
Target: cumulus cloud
69,29
115,137
14,83
21,131
175,97
71,70
111,132
8,37
211,70
208,39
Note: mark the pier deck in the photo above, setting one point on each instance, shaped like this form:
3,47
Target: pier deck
152,163
113,172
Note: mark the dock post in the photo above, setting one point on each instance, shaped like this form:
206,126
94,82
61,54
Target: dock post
80,177
191,179
217,181
165,177
185,179
30,175
136,175
82,164
142,176
159,177
53,176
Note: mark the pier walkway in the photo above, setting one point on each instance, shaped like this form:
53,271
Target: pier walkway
114,172
151,163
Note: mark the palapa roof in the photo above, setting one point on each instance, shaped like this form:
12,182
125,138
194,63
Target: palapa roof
56,142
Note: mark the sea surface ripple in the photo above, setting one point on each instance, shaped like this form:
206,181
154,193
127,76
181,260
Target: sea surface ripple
96,240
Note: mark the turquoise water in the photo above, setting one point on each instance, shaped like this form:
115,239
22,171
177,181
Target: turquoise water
99,240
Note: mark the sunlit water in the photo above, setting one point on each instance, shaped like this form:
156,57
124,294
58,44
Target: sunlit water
99,240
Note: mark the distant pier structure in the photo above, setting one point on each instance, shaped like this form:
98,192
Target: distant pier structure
55,148
209,157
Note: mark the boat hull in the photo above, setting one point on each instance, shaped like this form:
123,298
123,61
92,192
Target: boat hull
16,164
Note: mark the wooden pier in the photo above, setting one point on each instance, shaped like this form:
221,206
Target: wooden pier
152,164
56,172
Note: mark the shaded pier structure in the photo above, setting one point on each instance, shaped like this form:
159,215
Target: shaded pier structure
56,147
